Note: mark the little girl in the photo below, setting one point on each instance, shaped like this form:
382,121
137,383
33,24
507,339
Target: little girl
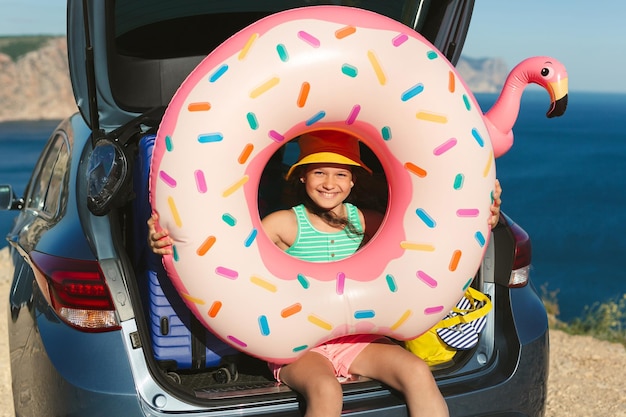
325,228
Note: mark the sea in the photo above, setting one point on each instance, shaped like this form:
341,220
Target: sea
564,182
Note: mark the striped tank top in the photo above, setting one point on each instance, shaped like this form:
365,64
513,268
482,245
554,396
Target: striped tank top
313,245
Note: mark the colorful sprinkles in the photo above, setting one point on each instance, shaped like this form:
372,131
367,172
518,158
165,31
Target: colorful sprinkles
341,282
349,70
206,245
215,309
251,40
282,52
433,310
459,180
245,153
480,238
210,137
229,219
319,322
378,69
304,281
315,118
237,185
305,88
264,87
445,147
426,218
399,39
200,181
226,272
174,210
454,261
165,177
253,122
414,169
431,117
391,283
422,247
196,107
275,136
263,283
354,113
264,325
479,139
427,279
250,239
412,92
310,39
218,73
291,310
169,145
385,132
345,31
403,318
364,314
451,82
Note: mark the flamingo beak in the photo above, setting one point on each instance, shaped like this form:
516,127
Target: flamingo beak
558,96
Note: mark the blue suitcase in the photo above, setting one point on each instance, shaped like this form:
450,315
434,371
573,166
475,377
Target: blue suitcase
179,340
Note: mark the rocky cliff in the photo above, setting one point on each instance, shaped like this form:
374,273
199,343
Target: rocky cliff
483,75
37,86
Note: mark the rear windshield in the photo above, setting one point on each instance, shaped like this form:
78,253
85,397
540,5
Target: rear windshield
152,45
161,29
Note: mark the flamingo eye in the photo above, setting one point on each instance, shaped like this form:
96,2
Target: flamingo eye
545,72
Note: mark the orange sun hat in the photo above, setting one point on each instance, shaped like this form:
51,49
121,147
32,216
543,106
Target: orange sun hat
328,146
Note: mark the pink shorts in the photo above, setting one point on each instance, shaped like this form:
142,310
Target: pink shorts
340,352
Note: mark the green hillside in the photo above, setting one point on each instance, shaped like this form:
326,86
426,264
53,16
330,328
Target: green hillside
17,46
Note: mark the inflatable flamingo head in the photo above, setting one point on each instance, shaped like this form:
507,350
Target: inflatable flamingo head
549,74
544,71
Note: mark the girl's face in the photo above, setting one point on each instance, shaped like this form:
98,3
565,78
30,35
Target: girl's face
328,185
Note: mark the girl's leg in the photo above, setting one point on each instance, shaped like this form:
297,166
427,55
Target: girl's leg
402,370
312,375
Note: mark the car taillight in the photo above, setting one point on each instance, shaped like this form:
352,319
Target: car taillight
520,272
77,291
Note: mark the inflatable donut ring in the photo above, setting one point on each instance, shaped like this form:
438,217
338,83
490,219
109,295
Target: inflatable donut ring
322,67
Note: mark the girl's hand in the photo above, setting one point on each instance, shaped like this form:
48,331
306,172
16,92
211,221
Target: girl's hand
160,242
495,207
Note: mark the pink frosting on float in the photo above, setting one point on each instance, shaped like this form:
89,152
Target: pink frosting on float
358,266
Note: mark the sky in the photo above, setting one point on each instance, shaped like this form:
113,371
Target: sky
588,37
580,34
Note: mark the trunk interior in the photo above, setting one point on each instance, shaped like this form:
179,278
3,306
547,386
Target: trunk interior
148,55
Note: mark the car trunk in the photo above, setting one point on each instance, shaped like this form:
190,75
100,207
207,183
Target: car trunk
133,59
184,355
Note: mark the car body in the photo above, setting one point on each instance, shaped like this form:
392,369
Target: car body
79,331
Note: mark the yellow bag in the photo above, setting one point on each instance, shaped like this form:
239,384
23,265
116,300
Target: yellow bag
430,348
429,345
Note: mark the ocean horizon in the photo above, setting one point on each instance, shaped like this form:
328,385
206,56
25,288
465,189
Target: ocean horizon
564,182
